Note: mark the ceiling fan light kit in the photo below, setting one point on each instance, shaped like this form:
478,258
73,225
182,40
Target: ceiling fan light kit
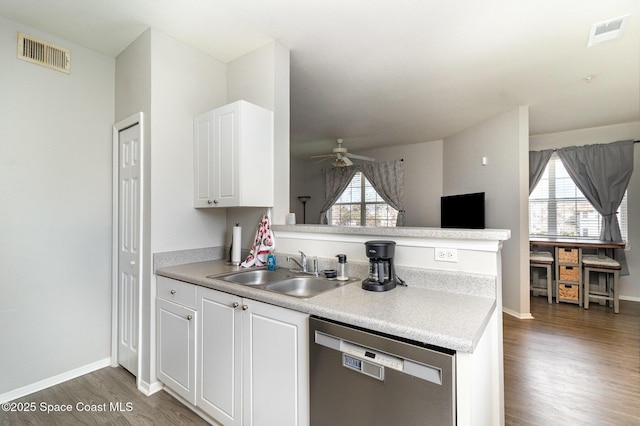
342,156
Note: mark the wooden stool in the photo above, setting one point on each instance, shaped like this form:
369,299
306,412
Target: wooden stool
541,259
607,266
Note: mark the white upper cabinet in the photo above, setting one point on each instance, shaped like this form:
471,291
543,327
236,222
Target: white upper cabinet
233,157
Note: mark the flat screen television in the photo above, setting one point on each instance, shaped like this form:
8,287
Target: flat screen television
462,211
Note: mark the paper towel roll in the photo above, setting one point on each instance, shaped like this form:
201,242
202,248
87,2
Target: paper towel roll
236,241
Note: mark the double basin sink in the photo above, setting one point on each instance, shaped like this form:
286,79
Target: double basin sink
283,281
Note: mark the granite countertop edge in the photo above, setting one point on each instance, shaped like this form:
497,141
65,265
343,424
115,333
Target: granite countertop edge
403,231
447,319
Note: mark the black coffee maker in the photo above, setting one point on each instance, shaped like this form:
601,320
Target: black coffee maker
382,276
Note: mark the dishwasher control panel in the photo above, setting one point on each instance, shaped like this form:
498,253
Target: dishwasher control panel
369,354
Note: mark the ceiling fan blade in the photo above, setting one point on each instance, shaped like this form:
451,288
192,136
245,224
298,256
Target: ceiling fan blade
360,157
322,156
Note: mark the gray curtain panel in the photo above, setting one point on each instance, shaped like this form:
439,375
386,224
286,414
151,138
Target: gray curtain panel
335,182
538,160
388,180
602,172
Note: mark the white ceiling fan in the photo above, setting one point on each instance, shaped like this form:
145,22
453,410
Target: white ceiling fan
342,156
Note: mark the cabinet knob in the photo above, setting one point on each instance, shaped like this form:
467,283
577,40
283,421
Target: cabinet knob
189,317
245,307
132,263
209,201
173,292
215,201
235,304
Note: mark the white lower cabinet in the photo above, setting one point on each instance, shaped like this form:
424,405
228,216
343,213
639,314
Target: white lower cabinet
176,357
275,365
251,363
219,356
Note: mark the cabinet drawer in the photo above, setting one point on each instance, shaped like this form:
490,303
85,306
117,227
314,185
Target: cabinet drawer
177,292
569,291
567,255
569,273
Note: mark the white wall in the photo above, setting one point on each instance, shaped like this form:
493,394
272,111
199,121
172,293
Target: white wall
504,141
422,179
422,182
262,77
307,179
185,83
55,220
171,83
629,288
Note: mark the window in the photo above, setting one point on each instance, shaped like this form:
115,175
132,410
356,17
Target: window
360,205
557,207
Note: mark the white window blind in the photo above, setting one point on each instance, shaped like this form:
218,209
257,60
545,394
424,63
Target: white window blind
360,205
557,208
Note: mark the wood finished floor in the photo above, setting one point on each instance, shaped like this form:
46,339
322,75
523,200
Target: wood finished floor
571,366
568,366
105,386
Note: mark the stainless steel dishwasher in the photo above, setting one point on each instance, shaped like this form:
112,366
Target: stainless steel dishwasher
360,377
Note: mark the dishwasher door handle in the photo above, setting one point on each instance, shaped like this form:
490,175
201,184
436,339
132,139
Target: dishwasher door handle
422,371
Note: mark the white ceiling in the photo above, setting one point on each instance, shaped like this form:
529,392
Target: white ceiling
385,72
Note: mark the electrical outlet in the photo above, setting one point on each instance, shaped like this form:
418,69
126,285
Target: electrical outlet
446,254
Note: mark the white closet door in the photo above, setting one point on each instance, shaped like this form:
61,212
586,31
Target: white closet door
129,219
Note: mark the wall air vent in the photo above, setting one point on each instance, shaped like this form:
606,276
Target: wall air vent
607,31
42,53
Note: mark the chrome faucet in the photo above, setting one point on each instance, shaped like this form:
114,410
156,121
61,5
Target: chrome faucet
303,264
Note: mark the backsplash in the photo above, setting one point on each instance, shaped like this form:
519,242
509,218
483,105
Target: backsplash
433,279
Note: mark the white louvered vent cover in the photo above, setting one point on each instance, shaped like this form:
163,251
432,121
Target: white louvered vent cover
607,31
42,53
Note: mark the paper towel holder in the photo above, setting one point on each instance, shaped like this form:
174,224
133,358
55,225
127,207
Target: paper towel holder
235,255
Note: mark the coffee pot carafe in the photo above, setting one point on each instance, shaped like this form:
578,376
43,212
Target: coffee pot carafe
382,275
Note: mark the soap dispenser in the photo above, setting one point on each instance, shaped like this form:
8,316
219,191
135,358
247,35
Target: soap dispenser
342,267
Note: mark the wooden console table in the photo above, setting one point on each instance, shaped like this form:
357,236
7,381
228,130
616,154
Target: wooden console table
567,256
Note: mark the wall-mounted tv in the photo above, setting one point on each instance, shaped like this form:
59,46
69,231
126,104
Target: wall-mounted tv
462,211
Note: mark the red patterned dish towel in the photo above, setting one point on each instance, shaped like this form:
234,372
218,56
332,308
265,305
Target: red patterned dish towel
263,244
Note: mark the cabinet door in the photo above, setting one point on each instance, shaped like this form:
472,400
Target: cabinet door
226,155
203,130
176,357
275,374
233,157
219,356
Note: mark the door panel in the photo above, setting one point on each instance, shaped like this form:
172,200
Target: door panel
129,222
220,352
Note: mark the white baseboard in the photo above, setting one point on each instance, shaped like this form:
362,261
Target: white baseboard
630,298
150,388
55,380
517,314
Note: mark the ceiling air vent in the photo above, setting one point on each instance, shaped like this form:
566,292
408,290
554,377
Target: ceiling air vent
607,31
42,53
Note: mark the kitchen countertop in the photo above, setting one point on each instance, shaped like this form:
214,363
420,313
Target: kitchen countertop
446,319
401,231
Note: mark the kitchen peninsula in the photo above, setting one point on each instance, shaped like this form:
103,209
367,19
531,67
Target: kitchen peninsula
449,304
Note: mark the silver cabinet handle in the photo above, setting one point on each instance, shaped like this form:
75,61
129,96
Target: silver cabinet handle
235,304
173,292
189,317
215,201
245,307
209,201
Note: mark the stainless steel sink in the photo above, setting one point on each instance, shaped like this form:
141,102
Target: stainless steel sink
304,287
282,281
254,276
